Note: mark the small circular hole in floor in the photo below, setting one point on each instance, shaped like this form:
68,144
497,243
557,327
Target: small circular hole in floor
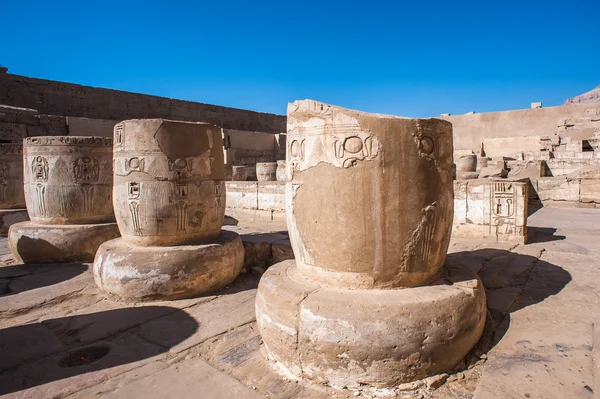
84,356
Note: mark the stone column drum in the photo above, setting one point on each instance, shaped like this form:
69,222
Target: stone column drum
12,196
68,192
169,200
368,298
266,171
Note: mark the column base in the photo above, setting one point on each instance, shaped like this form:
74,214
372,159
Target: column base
32,242
8,217
133,273
356,337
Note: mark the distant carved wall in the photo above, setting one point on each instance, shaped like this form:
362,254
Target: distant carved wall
67,99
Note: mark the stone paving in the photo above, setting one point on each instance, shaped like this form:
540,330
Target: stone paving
60,338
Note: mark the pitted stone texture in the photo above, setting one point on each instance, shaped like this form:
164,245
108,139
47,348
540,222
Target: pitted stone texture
68,180
12,195
41,243
349,337
133,273
8,217
169,181
370,196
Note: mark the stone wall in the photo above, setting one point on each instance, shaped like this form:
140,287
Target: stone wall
67,99
251,200
565,191
18,123
248,148
490,209
506,133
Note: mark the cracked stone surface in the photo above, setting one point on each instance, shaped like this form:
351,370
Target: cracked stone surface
541,340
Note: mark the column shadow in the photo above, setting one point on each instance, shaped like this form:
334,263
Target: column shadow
512,282
39,353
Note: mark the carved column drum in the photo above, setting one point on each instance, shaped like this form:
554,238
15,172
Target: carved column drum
266,171
68,179
467,163
384,216
169,184
12,195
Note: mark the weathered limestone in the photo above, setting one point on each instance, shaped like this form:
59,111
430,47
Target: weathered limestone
68,190
467,163
266,171
491,209
12,196
169,199
368,299
281,172
239,173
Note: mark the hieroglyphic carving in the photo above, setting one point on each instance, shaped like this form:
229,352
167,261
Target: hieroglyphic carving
86,169
345,149
119,133
503,208
180,214
134,208
88,199
39,168
4,177
133,193
218,199
134,165
40,191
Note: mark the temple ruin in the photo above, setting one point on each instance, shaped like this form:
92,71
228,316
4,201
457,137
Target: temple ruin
157,247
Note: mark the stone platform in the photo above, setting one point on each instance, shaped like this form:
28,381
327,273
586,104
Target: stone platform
541,342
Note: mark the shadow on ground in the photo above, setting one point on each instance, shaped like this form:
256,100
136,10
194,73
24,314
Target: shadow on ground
20,278
39,353
542,234
512,282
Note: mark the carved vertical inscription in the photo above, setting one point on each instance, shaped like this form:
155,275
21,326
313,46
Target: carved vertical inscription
218,196
119,133
503,208
133,193
4,179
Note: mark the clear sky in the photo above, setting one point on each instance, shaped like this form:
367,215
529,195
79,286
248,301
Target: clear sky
417,58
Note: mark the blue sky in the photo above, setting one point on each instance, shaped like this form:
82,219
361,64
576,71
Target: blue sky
419,58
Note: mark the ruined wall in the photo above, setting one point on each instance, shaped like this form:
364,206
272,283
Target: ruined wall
67,99
509,132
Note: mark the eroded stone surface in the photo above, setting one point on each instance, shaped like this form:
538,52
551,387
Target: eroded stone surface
169,181
369,196
32,242
68,180
347,337
135,273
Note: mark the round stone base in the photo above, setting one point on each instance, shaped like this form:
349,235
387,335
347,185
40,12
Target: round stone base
8,217
51,243
349,338
133,273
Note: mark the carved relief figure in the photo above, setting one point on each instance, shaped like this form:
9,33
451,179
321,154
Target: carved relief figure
39,168
86,169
